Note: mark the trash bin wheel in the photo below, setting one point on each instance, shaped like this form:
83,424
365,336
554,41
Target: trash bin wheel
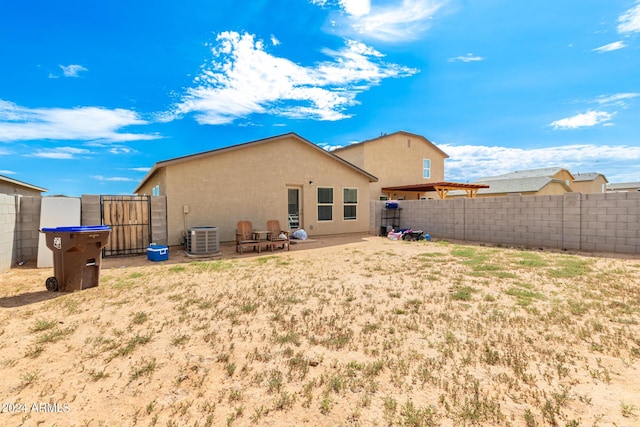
52,284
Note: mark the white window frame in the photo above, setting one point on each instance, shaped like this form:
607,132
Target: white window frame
426,170
345,204
325,204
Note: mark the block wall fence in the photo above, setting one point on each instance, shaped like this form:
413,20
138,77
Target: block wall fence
20,225
604,222
19,222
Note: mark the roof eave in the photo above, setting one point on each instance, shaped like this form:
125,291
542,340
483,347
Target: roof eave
23,184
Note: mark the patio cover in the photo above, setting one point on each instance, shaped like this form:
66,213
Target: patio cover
442,188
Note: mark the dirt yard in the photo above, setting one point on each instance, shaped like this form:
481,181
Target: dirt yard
362,331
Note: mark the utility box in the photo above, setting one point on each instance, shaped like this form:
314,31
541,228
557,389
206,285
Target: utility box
77,254
203,241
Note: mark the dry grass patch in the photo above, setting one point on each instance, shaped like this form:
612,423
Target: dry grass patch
373,333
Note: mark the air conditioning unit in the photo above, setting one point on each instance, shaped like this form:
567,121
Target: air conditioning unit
203,241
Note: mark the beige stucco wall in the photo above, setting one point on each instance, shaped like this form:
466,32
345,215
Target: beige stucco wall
16,189
251,182
563,175
159,179
396,160
589,187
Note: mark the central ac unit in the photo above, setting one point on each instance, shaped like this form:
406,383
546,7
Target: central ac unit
203,241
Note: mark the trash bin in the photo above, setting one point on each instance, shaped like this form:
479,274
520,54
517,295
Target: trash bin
77,252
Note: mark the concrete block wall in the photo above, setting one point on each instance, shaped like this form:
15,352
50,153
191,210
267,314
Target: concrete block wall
610,222
19,229
28,230
8,219
159,233
605,222
90,211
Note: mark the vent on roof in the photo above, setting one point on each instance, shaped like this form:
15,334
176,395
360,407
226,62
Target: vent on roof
203,241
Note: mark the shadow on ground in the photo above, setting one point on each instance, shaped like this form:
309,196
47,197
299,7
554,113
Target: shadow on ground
28,298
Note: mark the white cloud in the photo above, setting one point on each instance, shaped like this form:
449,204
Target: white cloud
60,153
611,47
403,20
329,147
112,178
393,21
618,99
275,41
356,8
19,123
468,162
469,57
72,70
6,172
121,150
244,79
143,169
629,21
588,119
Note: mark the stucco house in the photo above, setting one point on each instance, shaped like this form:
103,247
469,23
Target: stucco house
13,186
270,178
623,186
589,182
530,182
400,159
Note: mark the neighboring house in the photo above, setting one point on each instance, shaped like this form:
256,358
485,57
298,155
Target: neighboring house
588,183
532,182
281,177
624,186
535,186
13,186
553,172
398,159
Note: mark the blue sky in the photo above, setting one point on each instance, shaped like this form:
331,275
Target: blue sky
92,94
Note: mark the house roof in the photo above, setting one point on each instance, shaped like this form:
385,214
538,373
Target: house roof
432,186
528,173
165,163
517,185
22,184
588,176
624,186
402,132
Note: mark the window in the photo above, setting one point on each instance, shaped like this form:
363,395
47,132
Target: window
350,200
155,191
325,204
426,168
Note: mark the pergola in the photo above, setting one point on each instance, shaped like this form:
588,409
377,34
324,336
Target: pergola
442,188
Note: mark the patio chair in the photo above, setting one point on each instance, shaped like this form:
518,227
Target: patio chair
277,236
245,236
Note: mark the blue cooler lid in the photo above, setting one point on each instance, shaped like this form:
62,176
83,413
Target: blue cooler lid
77,229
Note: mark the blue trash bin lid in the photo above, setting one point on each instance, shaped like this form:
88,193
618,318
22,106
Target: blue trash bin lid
77,229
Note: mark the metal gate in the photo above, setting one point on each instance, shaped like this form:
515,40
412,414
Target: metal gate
130,220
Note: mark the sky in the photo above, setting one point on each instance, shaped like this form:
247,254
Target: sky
92,94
